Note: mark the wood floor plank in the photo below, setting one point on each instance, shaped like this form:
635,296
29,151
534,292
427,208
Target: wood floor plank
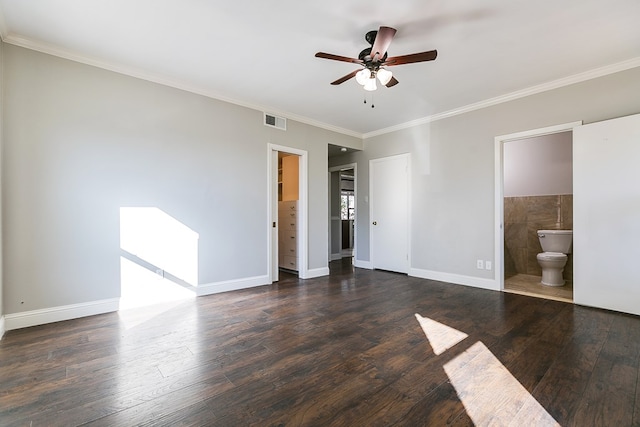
530,369
439,408
564,383
344,350
610,394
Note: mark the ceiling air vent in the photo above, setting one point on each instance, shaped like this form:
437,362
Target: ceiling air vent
275,122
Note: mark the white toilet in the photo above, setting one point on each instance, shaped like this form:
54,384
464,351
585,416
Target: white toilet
556,244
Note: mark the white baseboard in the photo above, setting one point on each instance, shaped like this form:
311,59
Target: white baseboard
316,272
57,314
335,257
457,279
362,264
1,326
231,285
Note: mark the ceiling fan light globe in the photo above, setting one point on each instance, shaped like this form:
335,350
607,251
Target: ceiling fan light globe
384,76
362,76
370,84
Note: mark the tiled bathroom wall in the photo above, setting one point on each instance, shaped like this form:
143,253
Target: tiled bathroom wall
523,217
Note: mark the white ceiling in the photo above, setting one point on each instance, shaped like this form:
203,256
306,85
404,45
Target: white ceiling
261,53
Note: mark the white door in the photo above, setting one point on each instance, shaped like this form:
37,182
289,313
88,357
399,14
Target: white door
606,214
389,213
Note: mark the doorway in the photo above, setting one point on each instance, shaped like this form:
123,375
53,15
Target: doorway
287,226
533,192
288,212
342,212
347,212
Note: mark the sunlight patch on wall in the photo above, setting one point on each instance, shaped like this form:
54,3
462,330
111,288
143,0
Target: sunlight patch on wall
420,137
158,262
143,287
160,240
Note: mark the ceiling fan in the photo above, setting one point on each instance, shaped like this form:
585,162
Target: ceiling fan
374,58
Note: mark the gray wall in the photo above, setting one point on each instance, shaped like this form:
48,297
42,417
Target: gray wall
81,142
453,168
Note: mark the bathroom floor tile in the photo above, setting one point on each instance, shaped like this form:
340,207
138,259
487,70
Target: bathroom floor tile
525,284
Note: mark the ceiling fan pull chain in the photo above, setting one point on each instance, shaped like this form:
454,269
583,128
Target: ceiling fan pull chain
372,105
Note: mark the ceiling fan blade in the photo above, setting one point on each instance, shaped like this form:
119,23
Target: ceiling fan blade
338,57
410,59
392,82
382,42
345,78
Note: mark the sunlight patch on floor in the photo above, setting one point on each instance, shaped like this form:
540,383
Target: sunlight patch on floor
490,394
441,337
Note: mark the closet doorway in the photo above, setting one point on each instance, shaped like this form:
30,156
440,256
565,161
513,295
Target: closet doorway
288,212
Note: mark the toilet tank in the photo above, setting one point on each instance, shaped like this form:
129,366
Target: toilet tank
556,240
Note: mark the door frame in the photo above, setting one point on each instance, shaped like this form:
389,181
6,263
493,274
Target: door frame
499,189
272,206
409,208
339,168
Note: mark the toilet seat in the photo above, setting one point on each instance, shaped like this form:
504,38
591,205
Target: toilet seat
552,256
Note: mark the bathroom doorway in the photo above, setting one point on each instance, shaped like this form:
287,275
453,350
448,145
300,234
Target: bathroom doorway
536,193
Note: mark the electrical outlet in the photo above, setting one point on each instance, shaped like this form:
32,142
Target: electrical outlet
487,265
480,264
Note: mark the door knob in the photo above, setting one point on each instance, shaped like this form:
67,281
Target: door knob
375,222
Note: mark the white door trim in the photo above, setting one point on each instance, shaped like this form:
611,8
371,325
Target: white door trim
409,192
499,189
303,228
353,166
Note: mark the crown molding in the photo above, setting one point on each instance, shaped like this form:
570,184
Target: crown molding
163,80
182,85
555,84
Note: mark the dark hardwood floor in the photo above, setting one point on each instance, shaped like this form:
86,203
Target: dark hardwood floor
357,348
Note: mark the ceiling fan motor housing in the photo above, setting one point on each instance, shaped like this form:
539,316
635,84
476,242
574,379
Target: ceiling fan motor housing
365,56
370,37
